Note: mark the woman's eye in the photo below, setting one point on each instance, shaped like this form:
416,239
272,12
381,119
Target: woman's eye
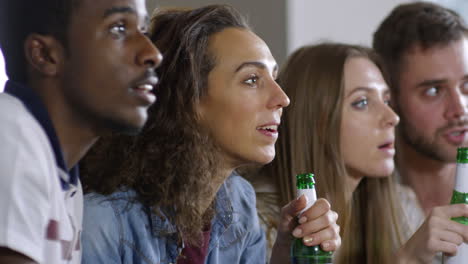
118,29
252,81
433,91
360,104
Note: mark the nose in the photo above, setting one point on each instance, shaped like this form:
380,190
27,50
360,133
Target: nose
456,104
279,99
149,55
390,118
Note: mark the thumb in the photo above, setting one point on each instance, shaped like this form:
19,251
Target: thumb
288,213
293,208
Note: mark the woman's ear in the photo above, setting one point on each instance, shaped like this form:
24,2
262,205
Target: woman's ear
44,54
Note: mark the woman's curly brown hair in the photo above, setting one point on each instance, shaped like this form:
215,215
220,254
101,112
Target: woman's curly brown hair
172,162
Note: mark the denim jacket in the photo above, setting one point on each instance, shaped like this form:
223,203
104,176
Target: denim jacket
116,231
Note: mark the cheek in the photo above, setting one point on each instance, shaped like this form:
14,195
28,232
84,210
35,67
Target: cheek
354,150
357,144
354,136
420,115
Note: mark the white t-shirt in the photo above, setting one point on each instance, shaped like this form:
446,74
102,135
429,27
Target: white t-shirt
37,217
413,211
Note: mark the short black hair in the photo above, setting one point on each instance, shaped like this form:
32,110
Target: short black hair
20,18
420,23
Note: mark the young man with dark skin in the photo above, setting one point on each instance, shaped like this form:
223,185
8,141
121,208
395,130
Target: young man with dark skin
425,47
78,69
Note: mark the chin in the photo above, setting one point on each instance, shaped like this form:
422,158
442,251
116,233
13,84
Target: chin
265,158
128,126
385,171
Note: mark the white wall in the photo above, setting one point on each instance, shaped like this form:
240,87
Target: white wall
460,6
266,17
288,24
311,21
3,77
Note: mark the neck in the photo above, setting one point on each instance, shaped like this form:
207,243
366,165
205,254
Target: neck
431,180
75,137
354,178
74,142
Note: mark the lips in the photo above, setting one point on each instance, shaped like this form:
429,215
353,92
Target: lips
457,135
269,128
148,84
388,148
144,88
386,145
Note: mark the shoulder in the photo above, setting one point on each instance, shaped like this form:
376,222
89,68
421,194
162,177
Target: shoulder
114,205
241,215
9,102
29,176
236,232
104,223
13,112
239,187
117,229
410,206
27,161
21,135
241,195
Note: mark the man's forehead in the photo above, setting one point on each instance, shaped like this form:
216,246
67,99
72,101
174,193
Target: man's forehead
101,7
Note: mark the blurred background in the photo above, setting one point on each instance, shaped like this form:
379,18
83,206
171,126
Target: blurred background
286,25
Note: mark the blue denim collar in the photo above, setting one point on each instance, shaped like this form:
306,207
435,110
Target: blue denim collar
36,107
223,216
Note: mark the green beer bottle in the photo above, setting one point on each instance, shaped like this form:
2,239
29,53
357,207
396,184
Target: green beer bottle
460,195
300,253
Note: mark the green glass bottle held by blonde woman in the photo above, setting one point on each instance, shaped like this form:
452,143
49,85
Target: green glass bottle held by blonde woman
300,253
460,195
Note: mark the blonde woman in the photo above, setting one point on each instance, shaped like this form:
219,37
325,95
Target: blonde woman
340,126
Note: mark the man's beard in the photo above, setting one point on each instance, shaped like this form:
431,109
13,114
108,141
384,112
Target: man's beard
428,147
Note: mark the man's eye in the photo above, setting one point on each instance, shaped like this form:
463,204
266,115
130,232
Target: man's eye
433,91
118,29
360,104
464,88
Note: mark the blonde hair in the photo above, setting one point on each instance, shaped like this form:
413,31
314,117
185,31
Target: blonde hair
310,142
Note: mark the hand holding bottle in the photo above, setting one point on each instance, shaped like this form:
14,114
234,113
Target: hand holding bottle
437,234
446,228
317,226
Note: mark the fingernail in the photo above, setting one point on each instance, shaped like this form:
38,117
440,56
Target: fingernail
297,232
302,220
326,245
308,240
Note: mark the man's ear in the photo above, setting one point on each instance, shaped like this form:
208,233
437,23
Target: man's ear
44,54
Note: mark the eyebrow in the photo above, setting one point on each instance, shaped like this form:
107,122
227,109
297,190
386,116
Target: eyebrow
122,10
256,64
367,90
427,83
118,10
361,88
